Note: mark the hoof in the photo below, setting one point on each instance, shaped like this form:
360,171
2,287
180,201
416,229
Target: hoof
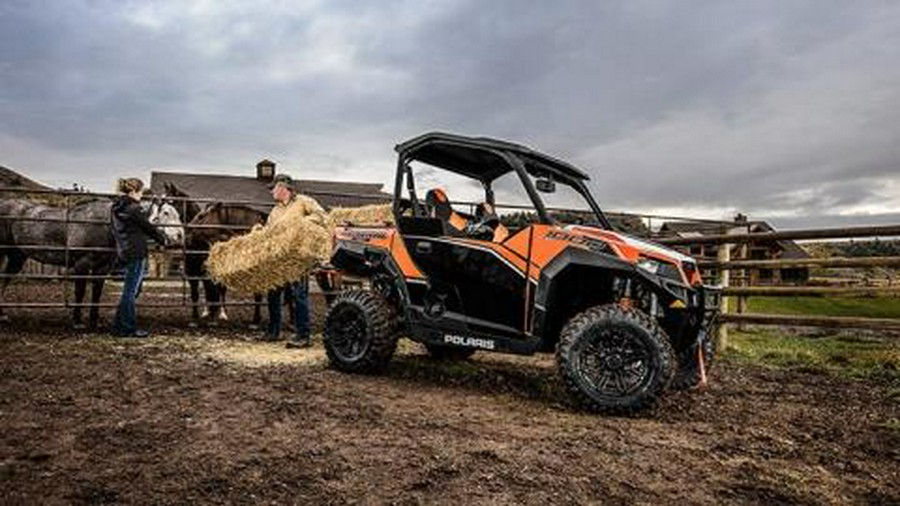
253,326
223,317
192,325
204,314
79,326
4,318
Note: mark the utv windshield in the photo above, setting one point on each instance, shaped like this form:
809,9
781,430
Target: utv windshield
566,204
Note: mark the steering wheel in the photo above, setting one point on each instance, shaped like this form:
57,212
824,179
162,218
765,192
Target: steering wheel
483,228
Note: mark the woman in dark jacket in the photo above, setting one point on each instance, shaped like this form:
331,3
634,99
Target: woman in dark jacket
131,228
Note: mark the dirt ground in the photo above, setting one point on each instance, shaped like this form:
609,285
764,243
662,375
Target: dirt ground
210,416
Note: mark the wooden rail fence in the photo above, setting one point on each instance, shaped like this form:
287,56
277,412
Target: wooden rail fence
724,264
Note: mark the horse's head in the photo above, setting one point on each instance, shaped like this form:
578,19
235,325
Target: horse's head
164,214
170,189
211,215
181,201
230,215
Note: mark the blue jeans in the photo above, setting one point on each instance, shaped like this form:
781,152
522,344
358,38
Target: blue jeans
125,322
299,293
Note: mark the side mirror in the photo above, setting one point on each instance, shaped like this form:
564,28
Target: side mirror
545,186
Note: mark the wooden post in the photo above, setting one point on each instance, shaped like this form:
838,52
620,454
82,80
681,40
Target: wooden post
724,255
745,281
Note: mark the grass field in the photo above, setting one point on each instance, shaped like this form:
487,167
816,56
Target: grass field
863,357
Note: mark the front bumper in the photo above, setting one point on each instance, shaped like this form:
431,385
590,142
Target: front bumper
710,306
693,317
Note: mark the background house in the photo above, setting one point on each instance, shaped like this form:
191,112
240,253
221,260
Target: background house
769,250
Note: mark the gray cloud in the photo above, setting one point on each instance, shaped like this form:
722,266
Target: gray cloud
772,108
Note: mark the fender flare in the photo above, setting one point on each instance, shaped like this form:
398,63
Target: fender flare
578,257
364,260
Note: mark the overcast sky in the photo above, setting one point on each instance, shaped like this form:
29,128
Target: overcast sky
784,109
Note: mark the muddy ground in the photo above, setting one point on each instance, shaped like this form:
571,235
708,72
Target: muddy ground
210,416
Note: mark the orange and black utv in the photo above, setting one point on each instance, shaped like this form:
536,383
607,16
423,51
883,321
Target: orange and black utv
627,319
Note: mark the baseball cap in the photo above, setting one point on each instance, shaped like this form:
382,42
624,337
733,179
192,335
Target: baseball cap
283,179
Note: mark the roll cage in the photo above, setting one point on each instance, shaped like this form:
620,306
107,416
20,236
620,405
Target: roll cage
485,160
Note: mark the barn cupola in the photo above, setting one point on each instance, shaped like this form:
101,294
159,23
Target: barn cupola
265,170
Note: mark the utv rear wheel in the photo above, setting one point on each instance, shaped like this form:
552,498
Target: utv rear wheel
360,332
614,359
448,353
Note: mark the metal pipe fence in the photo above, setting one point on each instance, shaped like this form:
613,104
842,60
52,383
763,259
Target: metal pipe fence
71,198
68,249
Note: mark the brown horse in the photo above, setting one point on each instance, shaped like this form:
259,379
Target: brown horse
187,208
201,239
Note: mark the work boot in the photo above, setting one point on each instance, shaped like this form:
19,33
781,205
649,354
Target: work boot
298,342
139,334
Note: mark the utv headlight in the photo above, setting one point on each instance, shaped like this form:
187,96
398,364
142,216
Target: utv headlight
663,269
649,265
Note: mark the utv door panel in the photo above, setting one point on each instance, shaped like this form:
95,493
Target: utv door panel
491,290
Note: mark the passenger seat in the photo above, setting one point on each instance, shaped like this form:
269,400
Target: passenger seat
439,207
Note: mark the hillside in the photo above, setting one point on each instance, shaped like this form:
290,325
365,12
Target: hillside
872,248
12,179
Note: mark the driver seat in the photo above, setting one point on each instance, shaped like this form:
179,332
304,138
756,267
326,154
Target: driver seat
439,207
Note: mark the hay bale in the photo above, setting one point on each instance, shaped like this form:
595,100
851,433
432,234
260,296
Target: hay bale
288,249
372,215
279,253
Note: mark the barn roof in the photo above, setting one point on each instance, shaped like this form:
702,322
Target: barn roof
243,188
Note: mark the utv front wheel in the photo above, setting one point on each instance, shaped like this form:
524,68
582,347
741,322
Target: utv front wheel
359,332
614,359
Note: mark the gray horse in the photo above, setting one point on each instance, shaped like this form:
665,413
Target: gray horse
88,236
